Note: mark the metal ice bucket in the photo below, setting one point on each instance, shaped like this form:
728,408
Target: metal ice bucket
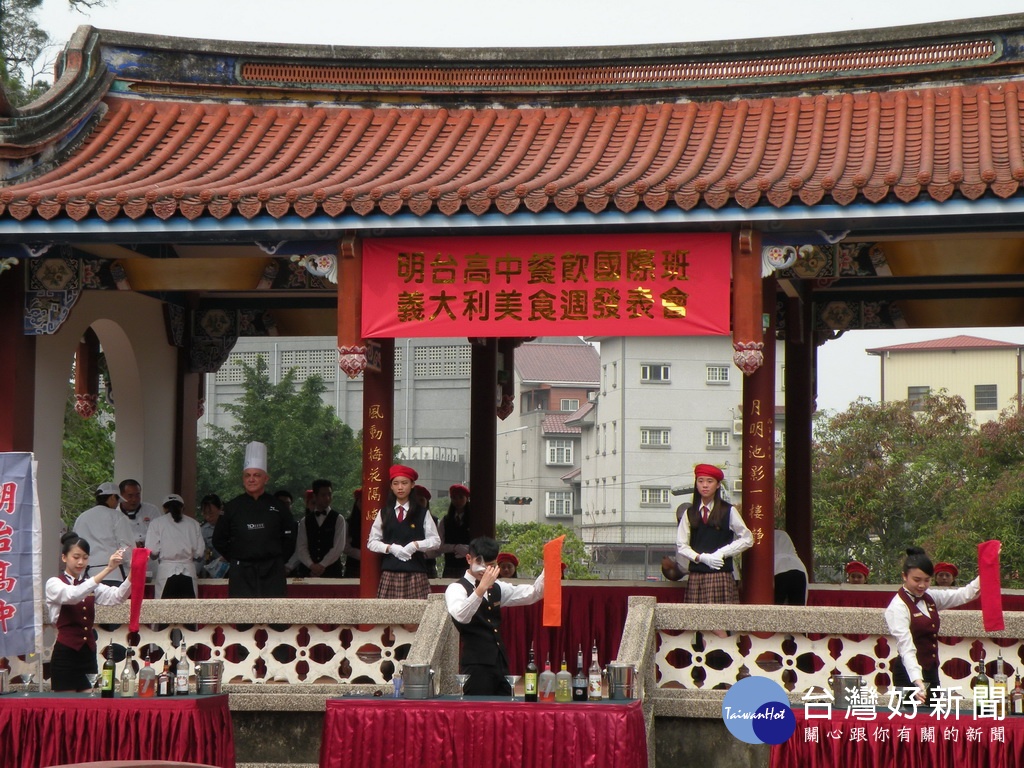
621,681
840,685
208,676
5,681
417,681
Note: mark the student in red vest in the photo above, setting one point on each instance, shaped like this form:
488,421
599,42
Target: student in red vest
70,600
710,534
400,532
913,619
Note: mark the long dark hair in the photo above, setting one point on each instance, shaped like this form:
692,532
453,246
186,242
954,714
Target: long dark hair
916,558
72,539
175,509
717,505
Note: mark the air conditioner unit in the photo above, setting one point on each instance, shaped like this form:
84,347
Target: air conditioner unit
737,486
778,437
737,426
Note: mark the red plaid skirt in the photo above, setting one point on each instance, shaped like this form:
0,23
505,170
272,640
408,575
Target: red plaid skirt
403,585
717,587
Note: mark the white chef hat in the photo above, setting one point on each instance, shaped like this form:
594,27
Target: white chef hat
255,456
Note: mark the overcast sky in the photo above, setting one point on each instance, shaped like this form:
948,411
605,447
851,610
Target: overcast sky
846,371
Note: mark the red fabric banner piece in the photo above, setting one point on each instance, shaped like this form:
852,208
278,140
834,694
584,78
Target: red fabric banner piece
991,588
636,284
140,558
553,582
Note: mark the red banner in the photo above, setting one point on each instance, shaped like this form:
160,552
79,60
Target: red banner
557,285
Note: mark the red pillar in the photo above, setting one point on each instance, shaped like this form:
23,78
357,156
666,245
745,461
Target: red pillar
378,447
800,397
18,371
483,436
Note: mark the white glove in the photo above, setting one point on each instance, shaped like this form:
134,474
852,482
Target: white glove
712,561
402,553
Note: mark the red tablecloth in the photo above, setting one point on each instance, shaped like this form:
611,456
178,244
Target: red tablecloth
481,733
55,729
922,740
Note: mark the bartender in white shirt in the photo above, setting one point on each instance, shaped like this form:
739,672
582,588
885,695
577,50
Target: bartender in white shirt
913,619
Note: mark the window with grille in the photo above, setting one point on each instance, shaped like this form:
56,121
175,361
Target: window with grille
717,374
441,362
985,398
231,372
560,452
654,372
310,362
916,396
570,404
655,496
558,504
718,438
652,437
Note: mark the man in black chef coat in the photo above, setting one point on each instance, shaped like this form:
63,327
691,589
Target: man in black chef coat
256,533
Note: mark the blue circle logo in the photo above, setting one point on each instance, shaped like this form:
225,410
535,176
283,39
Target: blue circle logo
756,711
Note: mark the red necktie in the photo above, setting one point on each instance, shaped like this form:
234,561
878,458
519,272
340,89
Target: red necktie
401,514
704,514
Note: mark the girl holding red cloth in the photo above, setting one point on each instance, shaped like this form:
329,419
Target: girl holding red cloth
710,534
913,619
401,532
71,601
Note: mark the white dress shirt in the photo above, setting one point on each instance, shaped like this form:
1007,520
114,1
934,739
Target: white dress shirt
59,592
337,544
463,607
897,617
106,530
742,541
176,546
375,541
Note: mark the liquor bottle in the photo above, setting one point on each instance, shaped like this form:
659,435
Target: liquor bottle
546,682
594,676
107,674
530,679
163,681
1000,683
980,680
181,674
129,680
579,681
1017,697
563,683
147,681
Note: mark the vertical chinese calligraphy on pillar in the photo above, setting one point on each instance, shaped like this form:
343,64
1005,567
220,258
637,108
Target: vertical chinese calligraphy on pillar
20,547
378,449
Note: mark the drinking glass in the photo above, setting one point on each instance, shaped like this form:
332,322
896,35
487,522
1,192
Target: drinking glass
92,677
461,680
512,680
28,677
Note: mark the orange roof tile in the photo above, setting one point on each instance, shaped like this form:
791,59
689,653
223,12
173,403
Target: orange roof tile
953,342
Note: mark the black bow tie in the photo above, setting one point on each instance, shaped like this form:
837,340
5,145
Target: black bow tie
320,514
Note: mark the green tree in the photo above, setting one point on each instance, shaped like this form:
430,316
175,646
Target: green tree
305,439
88,457
527,540
885,475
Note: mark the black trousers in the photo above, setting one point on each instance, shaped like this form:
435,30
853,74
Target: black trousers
901,680
68,667
486,680
179,586
257,578
790,588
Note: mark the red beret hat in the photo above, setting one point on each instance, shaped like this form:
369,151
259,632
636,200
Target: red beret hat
400,470
309,494
948,568
708,470
458,488
422,492
508,557
357,493
856,566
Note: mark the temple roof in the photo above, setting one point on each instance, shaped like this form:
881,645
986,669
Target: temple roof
143,127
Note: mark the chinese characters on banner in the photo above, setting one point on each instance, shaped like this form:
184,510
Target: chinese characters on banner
559,285
758,465
20,545
378,459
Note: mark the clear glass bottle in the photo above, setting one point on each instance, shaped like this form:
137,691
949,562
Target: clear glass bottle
1000,681
547,682
129,678
1017,697
594,676
181,673
147,681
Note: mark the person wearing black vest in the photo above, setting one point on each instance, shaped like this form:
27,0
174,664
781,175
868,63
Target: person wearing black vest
710,533
422,496
322,535
400,532
913,619
475,603
454,531
70,601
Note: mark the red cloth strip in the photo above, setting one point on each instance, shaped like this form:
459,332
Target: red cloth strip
991,588
553,582
140,558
